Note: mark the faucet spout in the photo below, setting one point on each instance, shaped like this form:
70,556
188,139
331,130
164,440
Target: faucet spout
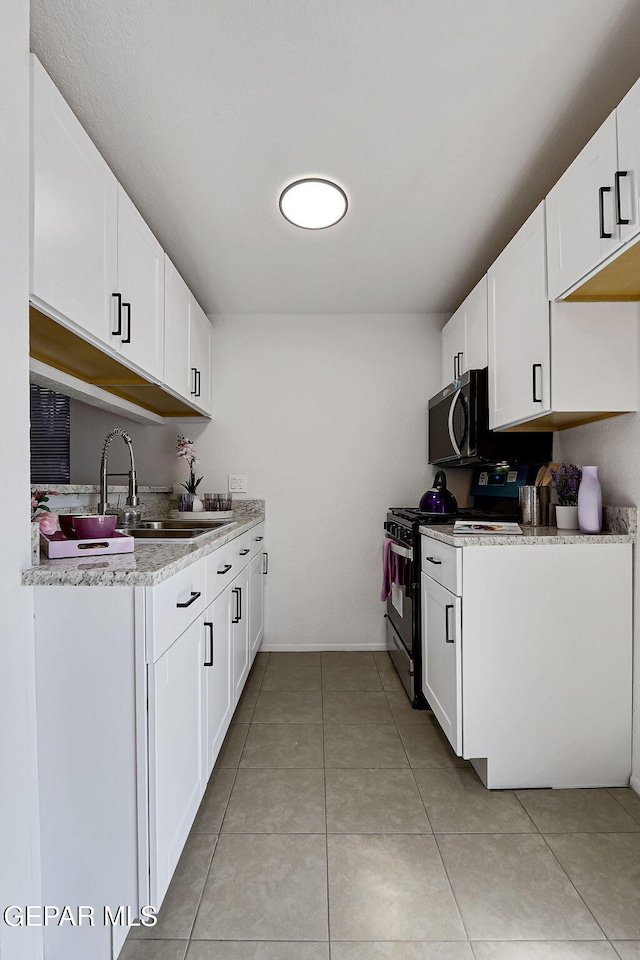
133,501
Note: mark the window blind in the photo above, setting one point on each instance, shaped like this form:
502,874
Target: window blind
50,429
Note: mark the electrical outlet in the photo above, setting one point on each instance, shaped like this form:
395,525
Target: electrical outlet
237,483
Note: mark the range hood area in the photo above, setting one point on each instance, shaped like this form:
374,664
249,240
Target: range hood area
59,348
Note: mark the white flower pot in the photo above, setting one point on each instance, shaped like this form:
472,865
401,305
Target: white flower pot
566,518
198,505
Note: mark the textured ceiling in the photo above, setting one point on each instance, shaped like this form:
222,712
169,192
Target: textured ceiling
446,121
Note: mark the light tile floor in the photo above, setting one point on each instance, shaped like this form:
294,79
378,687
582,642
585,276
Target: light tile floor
339,825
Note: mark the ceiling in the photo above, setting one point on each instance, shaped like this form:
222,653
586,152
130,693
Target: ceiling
446,121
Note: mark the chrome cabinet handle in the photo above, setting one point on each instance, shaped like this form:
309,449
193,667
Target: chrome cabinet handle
619,174
127,339
194,596
447,638
118,331
601,192
535,366
433,560
265,563
208,661
226,568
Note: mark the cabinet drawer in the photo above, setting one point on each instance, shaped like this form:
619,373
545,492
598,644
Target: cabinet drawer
225,563
442,563
172,606
257,540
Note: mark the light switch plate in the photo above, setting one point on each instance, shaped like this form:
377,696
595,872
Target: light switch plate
237,483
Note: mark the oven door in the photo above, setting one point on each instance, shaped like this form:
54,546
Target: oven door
400,624
449,424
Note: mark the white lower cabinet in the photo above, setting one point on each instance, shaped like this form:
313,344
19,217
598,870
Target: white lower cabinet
176,776
240,632
528,666
136,688
216,676
441,660
256,602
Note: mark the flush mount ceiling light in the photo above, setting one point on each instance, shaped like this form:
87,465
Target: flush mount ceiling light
313,203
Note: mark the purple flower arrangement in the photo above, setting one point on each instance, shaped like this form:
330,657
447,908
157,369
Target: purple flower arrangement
187,453
566,480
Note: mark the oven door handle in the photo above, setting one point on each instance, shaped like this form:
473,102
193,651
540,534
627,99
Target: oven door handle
402,551
452,411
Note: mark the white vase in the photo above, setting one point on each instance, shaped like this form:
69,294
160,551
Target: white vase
566,517
590,501
197,506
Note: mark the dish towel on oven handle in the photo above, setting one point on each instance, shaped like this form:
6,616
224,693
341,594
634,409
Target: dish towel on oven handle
389,569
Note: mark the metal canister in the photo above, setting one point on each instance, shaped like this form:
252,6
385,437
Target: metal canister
529,502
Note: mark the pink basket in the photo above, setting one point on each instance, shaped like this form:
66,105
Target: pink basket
57,547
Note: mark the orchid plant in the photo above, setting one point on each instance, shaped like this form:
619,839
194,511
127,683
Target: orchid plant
566,481
41,513
187,453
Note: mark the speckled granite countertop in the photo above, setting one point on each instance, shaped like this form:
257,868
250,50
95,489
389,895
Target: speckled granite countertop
530,535
68,489
150,564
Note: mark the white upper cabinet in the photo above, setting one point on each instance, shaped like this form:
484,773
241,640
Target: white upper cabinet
627,178
554,365
581,212
139,328
74,219
519,386
200,357
177,307
464,336
454,346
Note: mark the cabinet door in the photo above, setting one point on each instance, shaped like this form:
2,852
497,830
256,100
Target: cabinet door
256,604
74,215
200,356
580,208
240,632
141,286
216,676
454,347
519,369
177,309
175,752
627,181
442,658
476,320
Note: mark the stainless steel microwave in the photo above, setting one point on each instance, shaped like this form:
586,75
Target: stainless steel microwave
459,433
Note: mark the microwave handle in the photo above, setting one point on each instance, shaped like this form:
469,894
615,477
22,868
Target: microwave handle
452,435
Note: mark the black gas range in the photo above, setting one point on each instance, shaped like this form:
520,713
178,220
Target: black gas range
403,614
494,494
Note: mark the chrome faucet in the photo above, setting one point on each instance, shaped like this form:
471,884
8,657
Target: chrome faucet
129,515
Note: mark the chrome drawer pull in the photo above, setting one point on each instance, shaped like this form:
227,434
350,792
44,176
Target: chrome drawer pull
432,560
243,553
226,568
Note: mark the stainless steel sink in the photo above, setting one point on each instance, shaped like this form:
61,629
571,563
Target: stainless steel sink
175,529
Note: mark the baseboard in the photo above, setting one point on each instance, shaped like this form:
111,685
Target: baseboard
635,784
313,647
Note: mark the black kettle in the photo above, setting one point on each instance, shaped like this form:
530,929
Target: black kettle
439,500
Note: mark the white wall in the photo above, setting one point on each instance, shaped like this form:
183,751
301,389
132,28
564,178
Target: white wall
153,446
614,446
327,416
18,783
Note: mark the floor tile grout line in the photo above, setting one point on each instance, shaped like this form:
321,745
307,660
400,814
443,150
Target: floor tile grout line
204,883
453,893
578,894
632,815
535,825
